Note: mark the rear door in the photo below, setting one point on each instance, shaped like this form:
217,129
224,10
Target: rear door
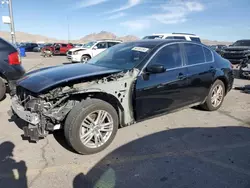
63,49
200,65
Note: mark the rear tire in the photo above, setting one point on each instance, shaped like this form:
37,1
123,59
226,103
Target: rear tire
2,89
76,127
210,104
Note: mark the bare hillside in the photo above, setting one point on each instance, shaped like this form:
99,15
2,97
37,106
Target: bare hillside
26,37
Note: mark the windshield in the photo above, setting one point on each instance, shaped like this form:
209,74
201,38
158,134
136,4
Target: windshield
122,56
213,47
242,43
154,37
88,45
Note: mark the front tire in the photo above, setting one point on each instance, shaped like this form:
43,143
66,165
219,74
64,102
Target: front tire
215,96
85,59
2,89
91,126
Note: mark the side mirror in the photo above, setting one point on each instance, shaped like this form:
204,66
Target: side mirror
95,48
156,68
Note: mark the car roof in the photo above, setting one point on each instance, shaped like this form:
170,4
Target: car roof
157,42
107,40
175,34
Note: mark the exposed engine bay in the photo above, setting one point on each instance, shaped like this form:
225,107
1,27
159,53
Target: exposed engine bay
47,112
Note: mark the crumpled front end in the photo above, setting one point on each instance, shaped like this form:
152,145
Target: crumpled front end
47,112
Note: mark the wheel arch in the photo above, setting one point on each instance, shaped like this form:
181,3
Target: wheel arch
109,98
86,54
224,80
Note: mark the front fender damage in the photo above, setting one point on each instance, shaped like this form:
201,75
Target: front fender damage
61,100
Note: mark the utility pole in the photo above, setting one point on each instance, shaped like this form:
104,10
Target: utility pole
12,28
68,29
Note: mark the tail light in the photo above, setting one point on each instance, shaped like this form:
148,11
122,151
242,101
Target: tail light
14,59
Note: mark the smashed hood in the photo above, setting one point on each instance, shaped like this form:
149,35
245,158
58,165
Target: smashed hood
39,81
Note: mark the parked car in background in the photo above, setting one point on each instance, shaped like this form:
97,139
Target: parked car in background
10,67
78,45
126,83
237,52
38,48
178,36
90,50
29,47
218,48
58,48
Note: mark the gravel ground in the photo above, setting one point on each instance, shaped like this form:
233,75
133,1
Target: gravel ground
188,148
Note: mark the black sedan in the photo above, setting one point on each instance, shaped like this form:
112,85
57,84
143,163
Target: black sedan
124,84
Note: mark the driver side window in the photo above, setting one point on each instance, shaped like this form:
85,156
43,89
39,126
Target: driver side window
169,56
101,45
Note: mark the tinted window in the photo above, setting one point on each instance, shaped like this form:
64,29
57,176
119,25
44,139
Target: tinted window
194,53
64,45
179,38
195,39
169,56
101,45
154,37
208,55
110,44
170,37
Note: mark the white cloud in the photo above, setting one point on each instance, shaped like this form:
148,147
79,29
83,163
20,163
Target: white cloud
177,11
116,16
136,25
88,3
128,5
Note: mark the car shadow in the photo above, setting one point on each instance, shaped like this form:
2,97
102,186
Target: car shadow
244,89
18,121
186,157
12,173
60,138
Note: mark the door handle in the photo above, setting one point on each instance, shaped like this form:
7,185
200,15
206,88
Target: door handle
181,76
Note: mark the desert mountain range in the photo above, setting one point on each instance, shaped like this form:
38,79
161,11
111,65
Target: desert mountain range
26,37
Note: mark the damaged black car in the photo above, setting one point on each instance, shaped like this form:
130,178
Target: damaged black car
237,52
126,83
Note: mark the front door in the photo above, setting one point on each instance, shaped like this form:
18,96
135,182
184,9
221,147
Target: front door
161,92
99,47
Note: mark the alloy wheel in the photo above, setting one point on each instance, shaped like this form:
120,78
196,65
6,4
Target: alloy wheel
96,129
217,96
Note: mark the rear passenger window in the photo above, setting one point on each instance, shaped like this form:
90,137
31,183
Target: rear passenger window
195,39
169,56
179,38
110,44
170,37
208,55
195,54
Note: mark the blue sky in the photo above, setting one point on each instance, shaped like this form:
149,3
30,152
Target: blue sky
226,20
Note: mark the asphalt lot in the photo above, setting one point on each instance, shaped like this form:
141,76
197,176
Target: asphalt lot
189,148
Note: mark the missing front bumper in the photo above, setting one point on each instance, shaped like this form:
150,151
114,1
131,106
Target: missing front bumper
32,118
